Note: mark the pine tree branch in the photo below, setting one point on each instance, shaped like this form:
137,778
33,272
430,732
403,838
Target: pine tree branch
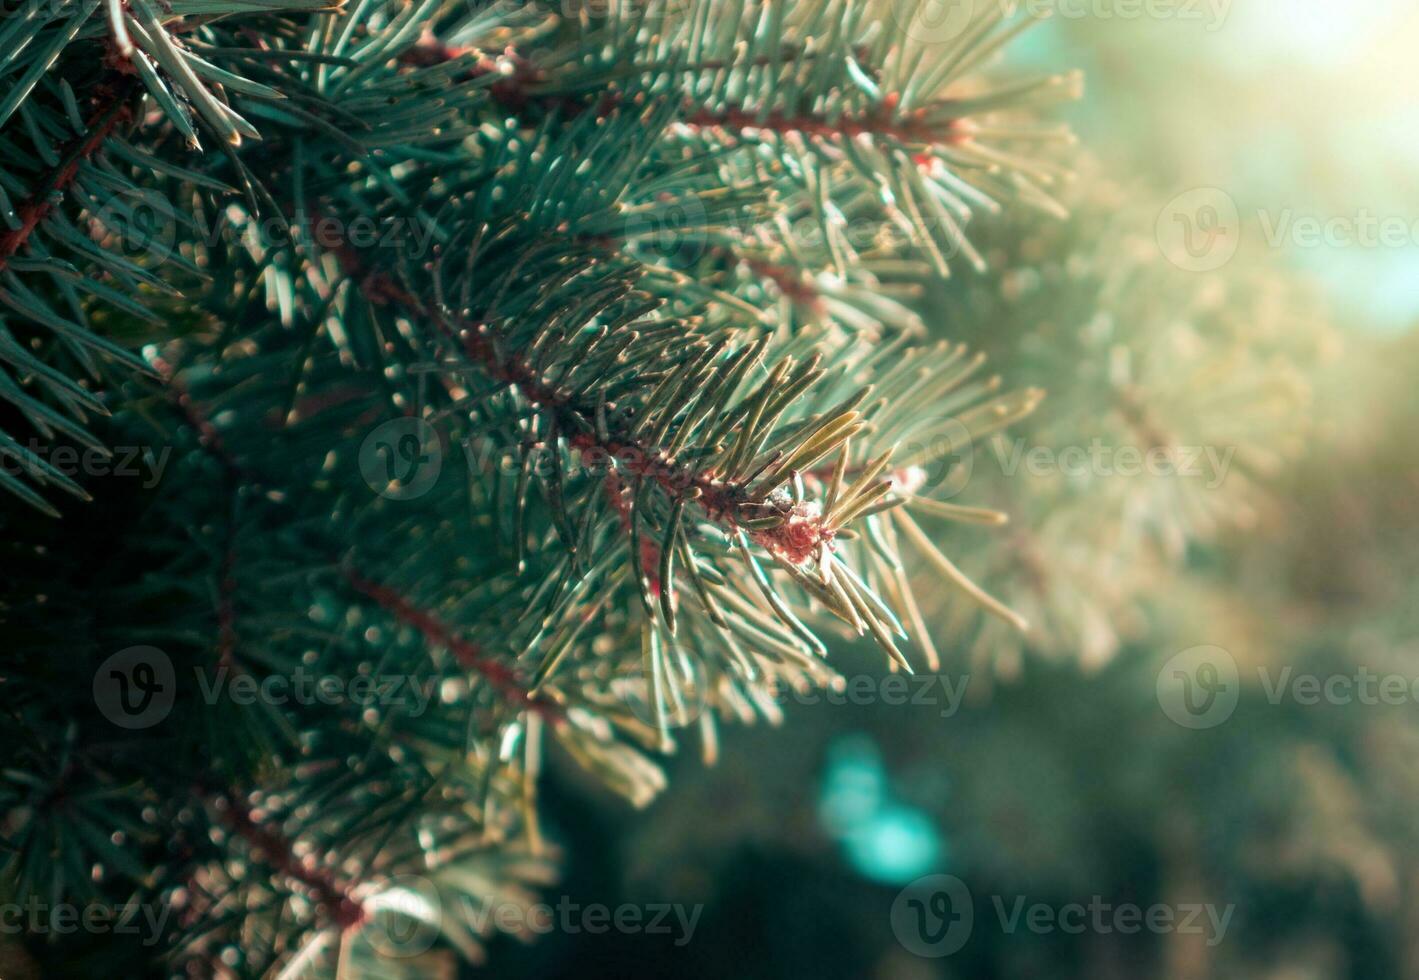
650,552
226,602
793,283
468,654
799,533
208,436
112,107
210,439
912,130
278,852
502,678
515,92
511,90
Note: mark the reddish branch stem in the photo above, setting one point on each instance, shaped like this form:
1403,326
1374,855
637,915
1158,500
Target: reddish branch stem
790,282
511,89
112,107
226,605
911,129
208,436
650,551
515,91
278,852
501,677
211,441
720,499
469,655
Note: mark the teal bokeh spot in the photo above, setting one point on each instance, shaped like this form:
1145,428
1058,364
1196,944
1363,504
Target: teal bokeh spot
882,839
898,844
854,786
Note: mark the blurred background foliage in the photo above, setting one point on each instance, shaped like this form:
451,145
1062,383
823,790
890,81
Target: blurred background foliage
1059,777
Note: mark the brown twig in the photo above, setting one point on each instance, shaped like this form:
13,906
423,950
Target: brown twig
330,893
113,105
471,656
